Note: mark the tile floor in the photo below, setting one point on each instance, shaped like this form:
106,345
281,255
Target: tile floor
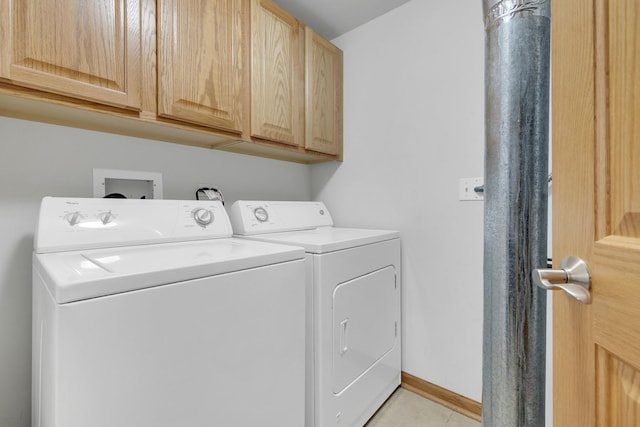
407,409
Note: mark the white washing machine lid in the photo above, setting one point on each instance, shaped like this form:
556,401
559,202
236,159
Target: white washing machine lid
79,275
328,239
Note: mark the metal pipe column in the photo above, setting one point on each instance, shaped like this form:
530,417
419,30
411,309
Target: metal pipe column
516,191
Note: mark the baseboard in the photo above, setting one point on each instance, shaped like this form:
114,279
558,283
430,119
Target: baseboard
467,407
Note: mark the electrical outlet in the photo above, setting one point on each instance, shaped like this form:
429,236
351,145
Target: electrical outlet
468,186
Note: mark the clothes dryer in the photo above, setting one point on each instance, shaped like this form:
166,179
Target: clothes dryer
353,306
147,313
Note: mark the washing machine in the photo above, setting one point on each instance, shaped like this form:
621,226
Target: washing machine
148,313
353,306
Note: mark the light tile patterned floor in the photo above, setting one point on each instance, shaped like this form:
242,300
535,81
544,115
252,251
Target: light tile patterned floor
407,409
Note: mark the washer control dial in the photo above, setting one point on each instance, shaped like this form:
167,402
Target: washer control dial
261,214
203,217
105,217
73,218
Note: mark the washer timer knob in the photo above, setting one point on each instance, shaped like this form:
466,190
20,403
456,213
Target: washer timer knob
203,217
261,214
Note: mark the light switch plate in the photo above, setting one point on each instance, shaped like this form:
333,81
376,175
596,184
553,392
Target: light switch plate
467,186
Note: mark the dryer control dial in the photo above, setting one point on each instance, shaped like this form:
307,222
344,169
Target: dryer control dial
203,217
261,214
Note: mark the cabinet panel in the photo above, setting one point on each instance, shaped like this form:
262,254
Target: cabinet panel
79,48
324,95
277,74
200,62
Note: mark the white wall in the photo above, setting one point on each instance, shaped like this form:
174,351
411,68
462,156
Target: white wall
414,125
39,159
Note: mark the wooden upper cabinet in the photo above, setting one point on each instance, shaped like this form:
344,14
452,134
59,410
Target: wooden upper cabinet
200,62
324,95
83,49
277,74
239,75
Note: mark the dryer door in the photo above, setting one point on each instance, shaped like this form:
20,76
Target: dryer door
364,324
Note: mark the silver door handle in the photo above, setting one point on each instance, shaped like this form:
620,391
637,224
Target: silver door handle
572,277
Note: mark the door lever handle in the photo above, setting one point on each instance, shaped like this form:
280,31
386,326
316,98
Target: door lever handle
573,277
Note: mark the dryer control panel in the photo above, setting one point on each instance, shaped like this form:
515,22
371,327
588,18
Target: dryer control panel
250,217
77,223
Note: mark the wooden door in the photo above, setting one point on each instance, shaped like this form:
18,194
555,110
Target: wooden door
596,209
324,95
79,48
277,74
200,62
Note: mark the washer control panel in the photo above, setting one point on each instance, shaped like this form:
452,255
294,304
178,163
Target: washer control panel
74,223
257,217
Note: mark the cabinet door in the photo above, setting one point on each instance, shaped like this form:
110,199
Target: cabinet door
277,74
324,95
200,62
79,48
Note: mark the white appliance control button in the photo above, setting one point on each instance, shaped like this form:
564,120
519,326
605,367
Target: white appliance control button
105,217
203,217
261,214
73,218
